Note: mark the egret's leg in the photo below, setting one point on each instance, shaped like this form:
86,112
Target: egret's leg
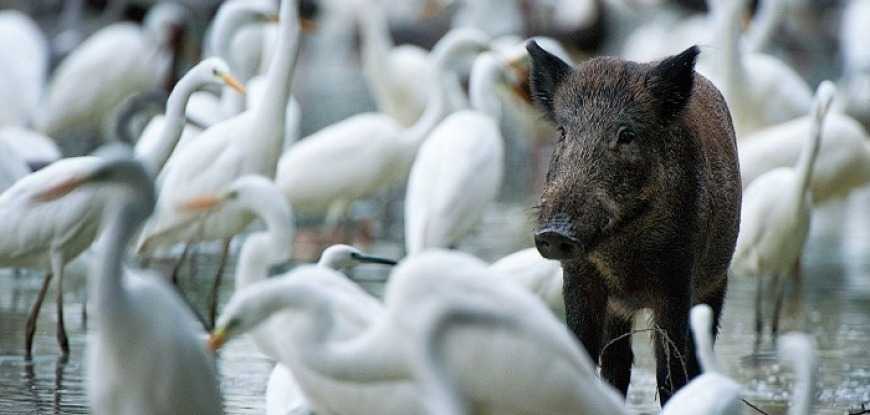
30,326
216,285
84,301
779,292
334,215
177,267
759,322
57,263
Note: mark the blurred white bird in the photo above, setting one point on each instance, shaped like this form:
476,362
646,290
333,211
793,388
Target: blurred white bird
540,276
36,149
775,218
12,166
843,162
51,234
458,171
118,61
139,316
354,158
798,350
854,32
760,89
219,156
397,76
711,393
23,67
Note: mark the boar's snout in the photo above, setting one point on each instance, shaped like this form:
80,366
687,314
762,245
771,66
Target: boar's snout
556,240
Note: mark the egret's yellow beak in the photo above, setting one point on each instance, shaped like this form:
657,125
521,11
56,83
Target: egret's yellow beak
216,339
233,83
201,203
59,190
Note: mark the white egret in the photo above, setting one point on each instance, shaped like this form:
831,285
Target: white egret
458,171
293,113
155,148
540,276
799,351
711,393
365,153
397,76
844,156
23,67
219,155
117,61
371,368
760,89
53,233
138,315
775,217
854,33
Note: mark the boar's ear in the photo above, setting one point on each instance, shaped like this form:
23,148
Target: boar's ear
548,71
670,82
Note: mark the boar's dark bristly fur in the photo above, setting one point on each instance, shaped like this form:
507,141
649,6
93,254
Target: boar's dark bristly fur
641,205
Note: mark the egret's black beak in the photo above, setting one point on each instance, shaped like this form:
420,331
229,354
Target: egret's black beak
368,259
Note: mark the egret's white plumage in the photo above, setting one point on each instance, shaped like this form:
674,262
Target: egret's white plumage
12,166
775,215
458,171
711,393
760,89
844,156
540,276
799,351
32,146
249,143
161,137
118,61
139,316
366,152
23,67
397,76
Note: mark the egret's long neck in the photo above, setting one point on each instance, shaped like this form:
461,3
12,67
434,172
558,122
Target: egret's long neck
482,86
264,249
271,110
123,218
704,348
767,19
173,125
376,46
727,27
436,109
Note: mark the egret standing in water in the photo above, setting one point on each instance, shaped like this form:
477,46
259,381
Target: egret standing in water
138,314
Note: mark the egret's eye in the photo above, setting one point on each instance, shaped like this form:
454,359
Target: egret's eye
625,135
215,72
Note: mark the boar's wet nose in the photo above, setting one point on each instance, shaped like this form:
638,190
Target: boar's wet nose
553,244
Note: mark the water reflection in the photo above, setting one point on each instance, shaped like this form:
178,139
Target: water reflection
832,309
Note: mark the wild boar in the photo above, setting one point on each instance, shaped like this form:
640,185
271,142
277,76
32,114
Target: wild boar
641,204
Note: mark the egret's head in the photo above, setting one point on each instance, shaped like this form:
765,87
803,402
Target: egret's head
250,192
345,256
216,71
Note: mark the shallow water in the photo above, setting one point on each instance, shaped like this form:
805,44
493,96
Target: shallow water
836,304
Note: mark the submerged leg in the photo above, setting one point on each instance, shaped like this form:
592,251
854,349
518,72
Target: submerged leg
30,326
57,269
215,287
759,321
177,267
779,292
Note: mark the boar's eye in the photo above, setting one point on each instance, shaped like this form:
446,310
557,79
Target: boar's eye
625,135
561,133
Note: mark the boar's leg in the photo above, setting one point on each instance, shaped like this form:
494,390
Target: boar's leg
617,356
585,305
676,362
